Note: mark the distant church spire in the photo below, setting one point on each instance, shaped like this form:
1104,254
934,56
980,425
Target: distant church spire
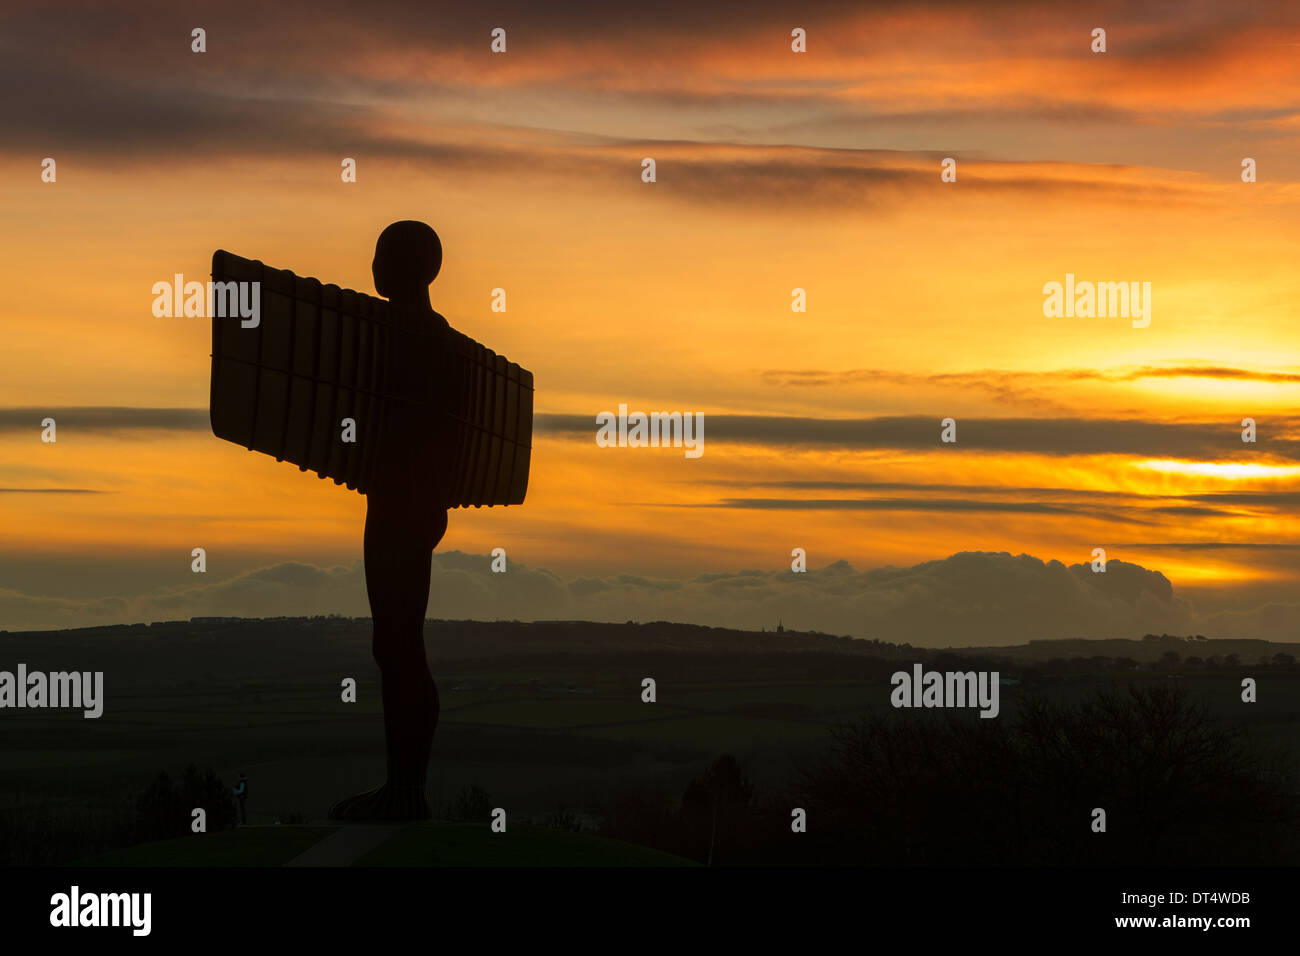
780,628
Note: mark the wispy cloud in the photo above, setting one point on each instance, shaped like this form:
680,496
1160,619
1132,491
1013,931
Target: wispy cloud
104,418
890,504
1043,436
1214,546
1038,389
51,491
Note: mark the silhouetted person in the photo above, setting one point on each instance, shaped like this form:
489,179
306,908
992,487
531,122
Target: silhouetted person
241,794
405,521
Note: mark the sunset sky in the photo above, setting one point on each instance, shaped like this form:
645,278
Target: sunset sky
775,170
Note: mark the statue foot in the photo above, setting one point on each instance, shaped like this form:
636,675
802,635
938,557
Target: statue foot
383,803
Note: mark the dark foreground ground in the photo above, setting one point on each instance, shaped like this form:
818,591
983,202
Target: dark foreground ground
422,844
547,722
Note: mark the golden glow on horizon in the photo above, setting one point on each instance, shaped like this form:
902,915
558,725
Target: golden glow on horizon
1219,469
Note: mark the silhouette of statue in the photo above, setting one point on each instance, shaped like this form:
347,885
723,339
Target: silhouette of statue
440,422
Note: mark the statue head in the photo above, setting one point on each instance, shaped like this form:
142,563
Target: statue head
408,257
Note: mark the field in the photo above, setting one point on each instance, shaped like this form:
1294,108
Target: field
540,730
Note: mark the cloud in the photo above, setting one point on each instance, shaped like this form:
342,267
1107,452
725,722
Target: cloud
862,181
992,378
1014,491
51,491
1096,503
1262,499
1216,546
1279,376
421,85
892,504
1063,436
1211,441
965,599
74,61
105,418
1020,387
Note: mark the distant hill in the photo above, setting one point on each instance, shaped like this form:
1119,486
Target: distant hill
1150,648
243,648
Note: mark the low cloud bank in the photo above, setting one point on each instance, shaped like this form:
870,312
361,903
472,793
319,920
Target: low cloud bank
964,599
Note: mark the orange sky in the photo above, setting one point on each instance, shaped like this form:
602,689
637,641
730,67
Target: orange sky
775,170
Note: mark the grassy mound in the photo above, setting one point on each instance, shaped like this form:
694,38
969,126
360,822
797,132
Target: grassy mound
245,846
426,844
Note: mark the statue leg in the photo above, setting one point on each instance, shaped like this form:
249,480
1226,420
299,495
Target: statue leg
399,543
